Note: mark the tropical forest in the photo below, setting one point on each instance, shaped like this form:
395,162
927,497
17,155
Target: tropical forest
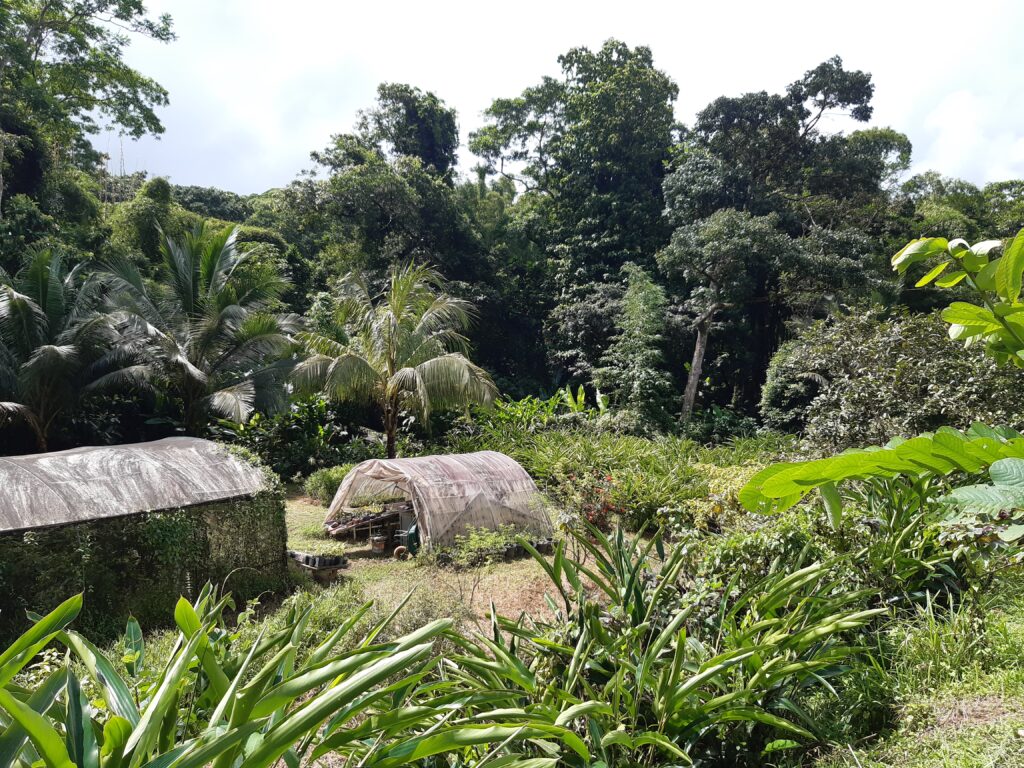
586,429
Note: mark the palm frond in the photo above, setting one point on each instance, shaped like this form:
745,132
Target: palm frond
447,381
23,323
234,402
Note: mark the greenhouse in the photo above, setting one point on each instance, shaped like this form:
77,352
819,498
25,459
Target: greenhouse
450,494
133,527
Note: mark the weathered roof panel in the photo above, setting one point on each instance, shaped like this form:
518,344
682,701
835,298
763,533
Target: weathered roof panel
82,484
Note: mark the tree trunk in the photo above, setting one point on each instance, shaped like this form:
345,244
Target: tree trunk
701,324
391,428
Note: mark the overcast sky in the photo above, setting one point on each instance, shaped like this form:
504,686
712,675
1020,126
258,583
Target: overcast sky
255,85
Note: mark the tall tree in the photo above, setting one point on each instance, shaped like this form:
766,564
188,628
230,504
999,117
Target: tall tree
204,334
53,343
633,371
402,350
725,263
593,147
62,68
411,123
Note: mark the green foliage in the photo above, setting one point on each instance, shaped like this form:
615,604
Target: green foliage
309,435
996,508
647,682
481,546
926,457
632,369
414,124
139,226
401,350
323,484
995,282
54,343
204,335
592,147
585,470
864,377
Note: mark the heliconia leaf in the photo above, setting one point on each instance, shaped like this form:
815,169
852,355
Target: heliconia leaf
135,647
38,635
44,737
932,274
115,690
1010,269
42,698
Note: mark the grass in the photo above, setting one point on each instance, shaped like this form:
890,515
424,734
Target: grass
960,687
305,520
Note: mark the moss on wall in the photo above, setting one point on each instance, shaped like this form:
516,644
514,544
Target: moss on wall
140,564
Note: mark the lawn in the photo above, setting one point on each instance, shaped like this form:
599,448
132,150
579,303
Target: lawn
513,587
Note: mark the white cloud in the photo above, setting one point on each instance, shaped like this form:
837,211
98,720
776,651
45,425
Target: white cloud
256,85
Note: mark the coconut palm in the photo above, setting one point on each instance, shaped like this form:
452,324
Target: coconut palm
53,342
402,349
204,333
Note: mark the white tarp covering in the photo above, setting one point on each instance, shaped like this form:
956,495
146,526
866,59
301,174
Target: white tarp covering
451,493
89,483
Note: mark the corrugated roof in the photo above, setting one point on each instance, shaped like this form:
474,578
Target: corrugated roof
451,493
47,489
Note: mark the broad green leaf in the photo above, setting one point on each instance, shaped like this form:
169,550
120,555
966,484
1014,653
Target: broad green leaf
951,279
919,250
989,499
1011,266
985,246
115,690
779,744
1012,533
1008,473
135,647
43,736
833,504
116,733
79,736
932,274
41,699
36,637
962,313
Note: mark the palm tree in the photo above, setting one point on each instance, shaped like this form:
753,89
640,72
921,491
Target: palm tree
402,349
205,333
53,342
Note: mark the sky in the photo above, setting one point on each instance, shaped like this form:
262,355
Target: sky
256,85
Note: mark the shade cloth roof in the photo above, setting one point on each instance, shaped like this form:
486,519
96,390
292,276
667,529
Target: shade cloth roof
90,483
451,493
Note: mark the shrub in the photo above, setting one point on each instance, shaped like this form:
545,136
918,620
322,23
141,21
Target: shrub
480,546
864,378
311,434
215,693
323,484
